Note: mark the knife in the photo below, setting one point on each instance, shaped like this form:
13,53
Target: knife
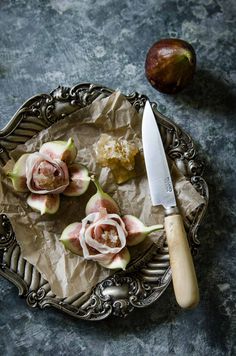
162,193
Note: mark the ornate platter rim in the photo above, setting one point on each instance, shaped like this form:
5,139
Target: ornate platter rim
146,279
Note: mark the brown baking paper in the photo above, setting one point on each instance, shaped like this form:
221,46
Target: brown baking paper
38,236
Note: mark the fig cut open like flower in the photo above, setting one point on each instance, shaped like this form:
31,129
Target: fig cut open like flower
45,175
103,236
49,172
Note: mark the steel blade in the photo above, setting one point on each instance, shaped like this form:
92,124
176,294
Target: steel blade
158,173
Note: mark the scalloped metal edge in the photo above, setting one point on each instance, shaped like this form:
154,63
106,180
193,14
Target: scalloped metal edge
147,278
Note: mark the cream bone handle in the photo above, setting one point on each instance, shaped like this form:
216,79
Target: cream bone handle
181,262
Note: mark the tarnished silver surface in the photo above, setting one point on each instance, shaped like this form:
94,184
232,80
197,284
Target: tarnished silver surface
146,279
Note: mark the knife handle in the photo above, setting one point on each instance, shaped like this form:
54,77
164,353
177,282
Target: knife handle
181,262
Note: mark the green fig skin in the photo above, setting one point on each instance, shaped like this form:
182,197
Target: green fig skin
136,230
170,65
70,238
101,200
79,180
18,174
44,203
119,261
64,150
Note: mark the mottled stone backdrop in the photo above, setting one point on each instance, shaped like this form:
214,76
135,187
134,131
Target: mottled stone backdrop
44,44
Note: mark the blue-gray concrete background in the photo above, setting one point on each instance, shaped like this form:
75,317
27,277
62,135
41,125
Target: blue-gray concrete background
47,43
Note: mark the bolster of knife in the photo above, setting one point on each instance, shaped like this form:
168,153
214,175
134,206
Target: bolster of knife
181,262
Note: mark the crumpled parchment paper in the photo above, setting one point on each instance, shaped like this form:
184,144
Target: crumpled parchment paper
38,236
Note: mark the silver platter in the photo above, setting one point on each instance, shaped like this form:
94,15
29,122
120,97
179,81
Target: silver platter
146,279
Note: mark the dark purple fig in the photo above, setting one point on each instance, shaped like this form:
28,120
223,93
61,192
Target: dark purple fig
170,65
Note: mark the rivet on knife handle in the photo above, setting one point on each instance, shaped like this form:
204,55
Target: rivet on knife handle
183,272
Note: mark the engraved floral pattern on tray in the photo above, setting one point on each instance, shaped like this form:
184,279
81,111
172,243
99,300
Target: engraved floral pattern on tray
146,279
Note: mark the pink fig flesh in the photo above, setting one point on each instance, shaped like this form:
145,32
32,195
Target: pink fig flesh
101,200
136,230
119,261
79,180
46,203
46,175
18,174
71,238
64,150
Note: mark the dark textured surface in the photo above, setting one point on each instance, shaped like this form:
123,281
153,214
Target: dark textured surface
47,43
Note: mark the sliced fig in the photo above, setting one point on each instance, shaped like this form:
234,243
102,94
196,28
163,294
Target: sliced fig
71,238
18,174
119,261
46,203
64,150
137,231
45,175
106,235
101,200
79,180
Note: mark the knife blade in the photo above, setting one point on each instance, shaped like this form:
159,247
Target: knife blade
162,193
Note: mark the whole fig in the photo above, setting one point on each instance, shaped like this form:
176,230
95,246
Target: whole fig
170,65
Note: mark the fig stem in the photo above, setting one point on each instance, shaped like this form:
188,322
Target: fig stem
95,181
70,142
11,175
183,55
153,228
